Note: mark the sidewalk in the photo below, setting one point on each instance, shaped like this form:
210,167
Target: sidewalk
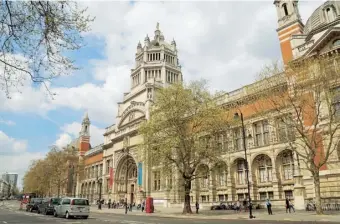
227,214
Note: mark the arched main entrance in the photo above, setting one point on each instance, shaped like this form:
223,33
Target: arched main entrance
126,179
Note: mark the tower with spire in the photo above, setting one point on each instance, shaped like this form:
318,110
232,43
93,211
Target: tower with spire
84,135
156,61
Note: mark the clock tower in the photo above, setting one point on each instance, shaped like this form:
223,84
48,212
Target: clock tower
290,23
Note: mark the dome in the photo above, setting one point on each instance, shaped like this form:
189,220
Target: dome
323,15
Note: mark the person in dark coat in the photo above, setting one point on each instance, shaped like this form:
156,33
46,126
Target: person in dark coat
197,207
287,205
109,203
269,207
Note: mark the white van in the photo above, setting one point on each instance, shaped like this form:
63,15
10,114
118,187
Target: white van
72,207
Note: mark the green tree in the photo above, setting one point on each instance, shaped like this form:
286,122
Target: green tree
182,133
34,37
307,96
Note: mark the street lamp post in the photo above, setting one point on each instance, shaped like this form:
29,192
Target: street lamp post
236,116
99,181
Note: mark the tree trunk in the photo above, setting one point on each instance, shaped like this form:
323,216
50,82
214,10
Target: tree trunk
316,178
187,188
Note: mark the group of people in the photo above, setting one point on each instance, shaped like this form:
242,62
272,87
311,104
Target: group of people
289,206
239,206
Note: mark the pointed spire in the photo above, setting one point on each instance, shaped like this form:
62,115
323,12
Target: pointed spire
173,42
157,26
147,38
139,45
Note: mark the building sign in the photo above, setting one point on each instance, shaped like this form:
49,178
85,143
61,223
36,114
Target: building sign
140,174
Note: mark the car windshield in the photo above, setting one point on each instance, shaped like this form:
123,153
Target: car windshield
55,201
38,200
80,202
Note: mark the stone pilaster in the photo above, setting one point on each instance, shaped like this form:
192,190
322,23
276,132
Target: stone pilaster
275,180
299,188
230,184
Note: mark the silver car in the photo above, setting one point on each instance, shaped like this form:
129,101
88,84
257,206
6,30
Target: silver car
72,207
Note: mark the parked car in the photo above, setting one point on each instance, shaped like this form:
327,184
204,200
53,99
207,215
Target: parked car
33,204
72,207
47,205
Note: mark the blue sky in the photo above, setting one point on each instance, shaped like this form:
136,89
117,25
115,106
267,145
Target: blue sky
214,42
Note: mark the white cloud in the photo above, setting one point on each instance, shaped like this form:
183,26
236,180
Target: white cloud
224,42
7,122
14,156
71,131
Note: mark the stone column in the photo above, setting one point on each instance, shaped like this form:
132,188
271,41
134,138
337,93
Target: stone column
230,184
212,188
299,188
274,177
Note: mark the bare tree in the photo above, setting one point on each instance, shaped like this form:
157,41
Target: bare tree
183,132
306,96
34,39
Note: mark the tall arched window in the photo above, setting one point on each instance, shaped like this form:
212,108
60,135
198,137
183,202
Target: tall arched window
265,169
287,166
285,9
241,172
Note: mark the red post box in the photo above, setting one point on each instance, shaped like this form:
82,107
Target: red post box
149,205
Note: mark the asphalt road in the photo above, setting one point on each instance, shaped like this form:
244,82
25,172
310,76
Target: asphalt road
22,217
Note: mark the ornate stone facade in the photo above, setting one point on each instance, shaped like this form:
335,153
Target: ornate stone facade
275,171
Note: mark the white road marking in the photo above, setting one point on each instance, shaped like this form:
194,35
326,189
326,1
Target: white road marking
4,221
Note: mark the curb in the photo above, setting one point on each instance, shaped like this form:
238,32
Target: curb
193,216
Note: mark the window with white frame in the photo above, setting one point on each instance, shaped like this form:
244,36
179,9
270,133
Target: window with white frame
287,165
241,172
265,169
263,196
238,139
261,130
284,129
157,180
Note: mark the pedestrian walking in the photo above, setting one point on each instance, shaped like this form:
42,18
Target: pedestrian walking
197,207
143,206
245,205
109,203
269,207
291,205
287,206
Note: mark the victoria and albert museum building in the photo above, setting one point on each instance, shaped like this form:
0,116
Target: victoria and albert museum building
275,171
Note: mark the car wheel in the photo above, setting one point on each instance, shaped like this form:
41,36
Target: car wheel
67,216
31,209
55,213
38,211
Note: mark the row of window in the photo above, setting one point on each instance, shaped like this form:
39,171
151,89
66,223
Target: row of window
154,56
157,57
259,136
172,77
94,171
136,79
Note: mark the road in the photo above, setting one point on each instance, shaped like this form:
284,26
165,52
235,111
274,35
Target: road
22,217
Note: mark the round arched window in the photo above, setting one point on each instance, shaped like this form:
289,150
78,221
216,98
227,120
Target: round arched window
336,43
